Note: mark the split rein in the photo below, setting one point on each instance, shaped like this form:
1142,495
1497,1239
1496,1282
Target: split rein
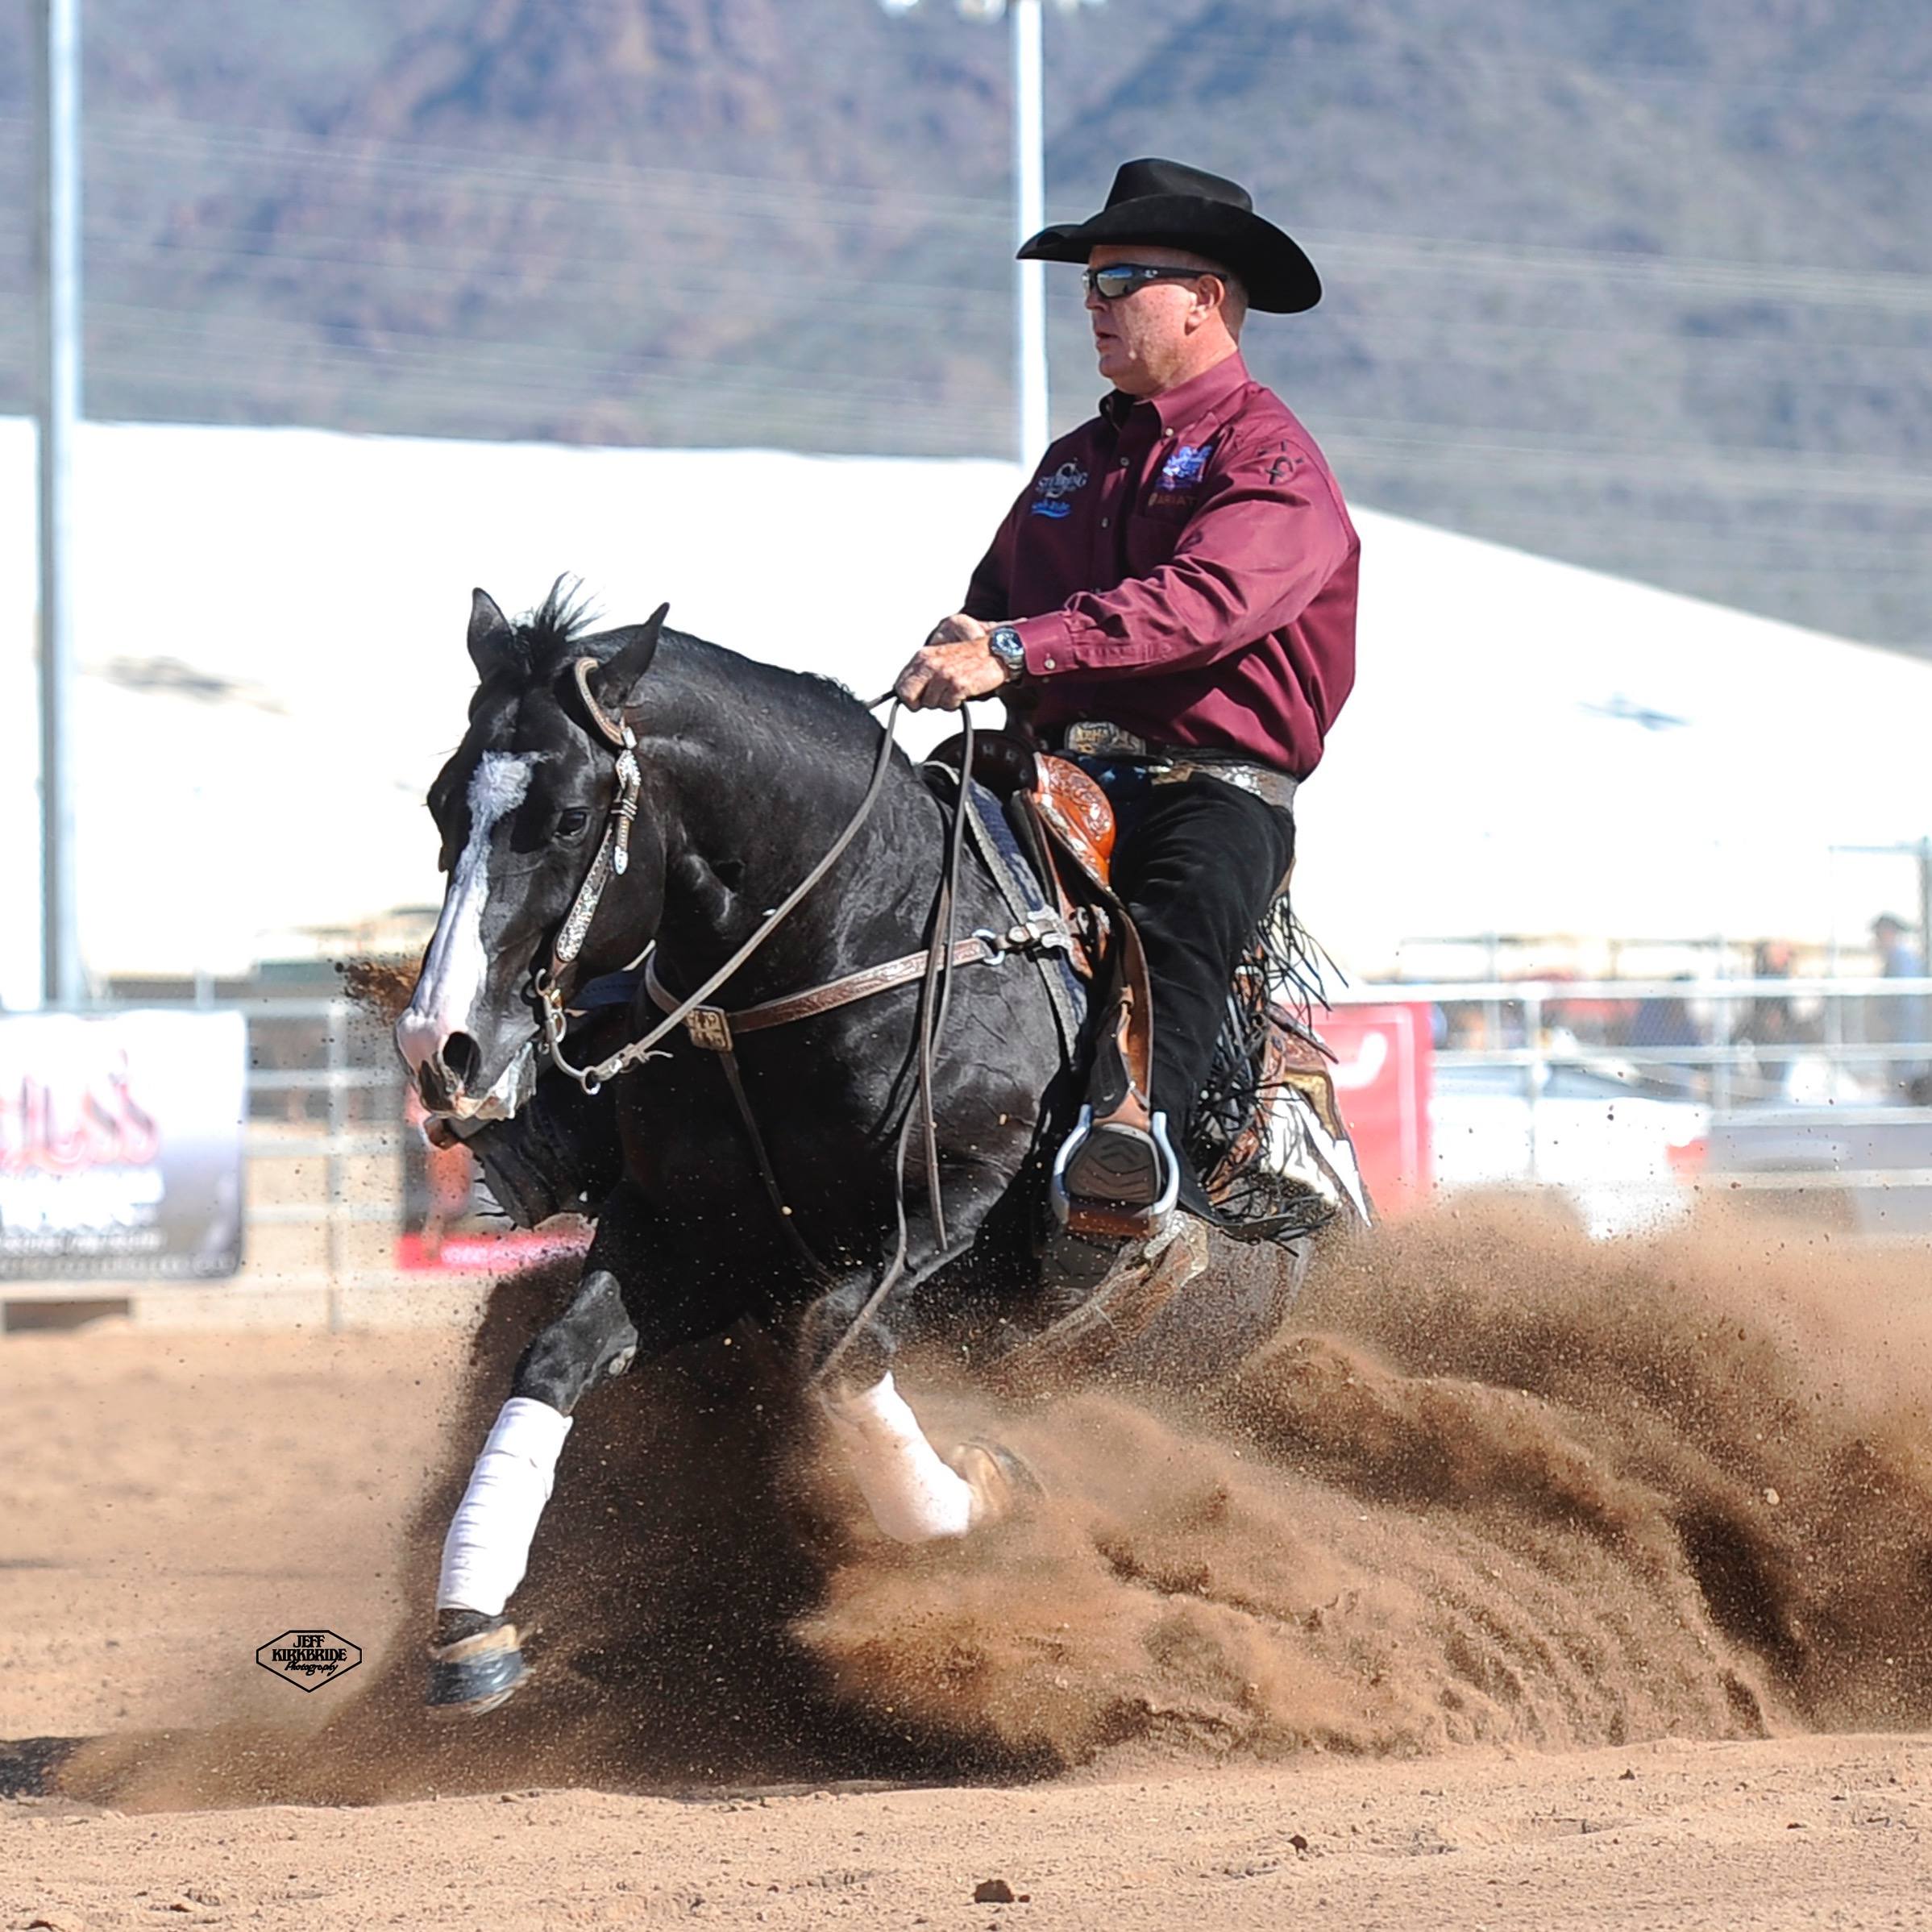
934,968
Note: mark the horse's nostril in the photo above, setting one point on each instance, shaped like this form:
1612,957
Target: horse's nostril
463,1056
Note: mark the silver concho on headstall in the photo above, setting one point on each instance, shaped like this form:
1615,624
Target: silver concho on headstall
614,856
614,853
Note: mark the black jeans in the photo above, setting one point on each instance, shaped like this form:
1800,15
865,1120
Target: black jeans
1197,864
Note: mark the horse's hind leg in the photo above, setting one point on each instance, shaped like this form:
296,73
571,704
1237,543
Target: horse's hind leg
475,1658
915,1495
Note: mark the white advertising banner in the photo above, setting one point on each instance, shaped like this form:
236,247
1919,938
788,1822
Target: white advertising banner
121,1145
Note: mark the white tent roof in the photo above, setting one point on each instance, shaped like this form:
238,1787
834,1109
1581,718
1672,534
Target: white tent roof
1540,749
269,625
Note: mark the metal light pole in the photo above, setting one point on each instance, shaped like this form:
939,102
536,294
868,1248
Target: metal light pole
1029,217
1029,202
57,64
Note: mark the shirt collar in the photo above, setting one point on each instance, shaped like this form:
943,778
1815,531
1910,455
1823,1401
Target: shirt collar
1188,402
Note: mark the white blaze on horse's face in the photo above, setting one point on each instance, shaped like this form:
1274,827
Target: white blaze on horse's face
445,1001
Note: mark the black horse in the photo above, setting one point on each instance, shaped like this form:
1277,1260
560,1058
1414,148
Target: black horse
736,776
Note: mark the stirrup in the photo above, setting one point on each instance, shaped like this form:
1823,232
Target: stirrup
1112,1179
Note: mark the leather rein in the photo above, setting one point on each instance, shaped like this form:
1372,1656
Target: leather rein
613,859
715,1028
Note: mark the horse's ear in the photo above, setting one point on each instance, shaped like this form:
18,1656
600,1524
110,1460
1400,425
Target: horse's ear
490,633
620,673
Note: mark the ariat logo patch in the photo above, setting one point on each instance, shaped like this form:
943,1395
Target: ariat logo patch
309,1659
1051,492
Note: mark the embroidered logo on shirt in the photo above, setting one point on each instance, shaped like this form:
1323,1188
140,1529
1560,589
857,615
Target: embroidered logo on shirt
1185,468
1054,491
1286,463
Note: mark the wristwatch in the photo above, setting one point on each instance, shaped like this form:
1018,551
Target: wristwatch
1004,642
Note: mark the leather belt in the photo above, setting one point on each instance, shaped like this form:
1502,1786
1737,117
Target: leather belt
1175,764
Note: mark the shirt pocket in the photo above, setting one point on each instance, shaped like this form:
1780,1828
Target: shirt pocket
1154,526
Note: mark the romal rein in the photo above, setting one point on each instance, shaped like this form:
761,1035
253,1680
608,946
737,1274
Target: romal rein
935,997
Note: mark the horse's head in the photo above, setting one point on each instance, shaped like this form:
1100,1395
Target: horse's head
523,808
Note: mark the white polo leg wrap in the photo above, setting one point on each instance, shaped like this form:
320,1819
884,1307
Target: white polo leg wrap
488,1545
914,1497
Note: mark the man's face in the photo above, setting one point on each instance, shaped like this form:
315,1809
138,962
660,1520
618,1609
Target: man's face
1143,340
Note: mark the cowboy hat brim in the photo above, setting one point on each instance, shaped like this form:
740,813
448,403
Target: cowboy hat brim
1278,277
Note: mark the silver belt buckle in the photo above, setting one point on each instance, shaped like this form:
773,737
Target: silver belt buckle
1096,738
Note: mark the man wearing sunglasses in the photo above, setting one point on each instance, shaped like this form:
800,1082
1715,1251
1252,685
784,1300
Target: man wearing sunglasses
1172,600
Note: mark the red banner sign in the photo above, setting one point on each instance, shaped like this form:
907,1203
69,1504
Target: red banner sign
121,1145
1384,1058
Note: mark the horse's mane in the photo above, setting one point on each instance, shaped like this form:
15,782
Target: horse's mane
557,631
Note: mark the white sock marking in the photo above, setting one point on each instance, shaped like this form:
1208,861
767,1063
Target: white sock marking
914,1496
487,1547
453,972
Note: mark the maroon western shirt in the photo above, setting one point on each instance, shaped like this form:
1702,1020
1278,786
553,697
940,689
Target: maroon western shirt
1184,568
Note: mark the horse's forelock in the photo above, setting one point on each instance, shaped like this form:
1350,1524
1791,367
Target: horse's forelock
555,628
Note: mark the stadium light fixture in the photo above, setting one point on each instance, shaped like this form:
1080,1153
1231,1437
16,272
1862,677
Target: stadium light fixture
1029,199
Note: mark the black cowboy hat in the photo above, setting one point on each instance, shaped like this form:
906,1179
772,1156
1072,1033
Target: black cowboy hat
1176,206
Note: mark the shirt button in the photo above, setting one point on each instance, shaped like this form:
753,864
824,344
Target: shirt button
1123,463
1049,662
1104,522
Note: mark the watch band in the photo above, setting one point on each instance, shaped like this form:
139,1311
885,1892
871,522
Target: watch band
1004,643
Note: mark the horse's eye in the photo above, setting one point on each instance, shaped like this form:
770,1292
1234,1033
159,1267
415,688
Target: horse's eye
571,823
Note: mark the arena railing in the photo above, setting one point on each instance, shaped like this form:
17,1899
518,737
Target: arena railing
326,1121
1813,1110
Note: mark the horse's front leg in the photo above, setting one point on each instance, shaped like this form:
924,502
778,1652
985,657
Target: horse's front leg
475,1660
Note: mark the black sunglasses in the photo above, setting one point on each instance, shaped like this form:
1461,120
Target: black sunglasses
1122,278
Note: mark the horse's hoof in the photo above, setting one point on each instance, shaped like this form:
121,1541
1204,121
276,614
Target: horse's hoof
1002,1483
475,1672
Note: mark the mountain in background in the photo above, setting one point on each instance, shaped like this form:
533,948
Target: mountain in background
1643,285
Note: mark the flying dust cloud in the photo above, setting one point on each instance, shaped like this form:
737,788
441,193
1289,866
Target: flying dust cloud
1493,1484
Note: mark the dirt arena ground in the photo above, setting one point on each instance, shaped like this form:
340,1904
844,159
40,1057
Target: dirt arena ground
1523,1584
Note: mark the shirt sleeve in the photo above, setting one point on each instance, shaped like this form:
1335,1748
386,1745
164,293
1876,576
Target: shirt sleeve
1267,534
988,594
